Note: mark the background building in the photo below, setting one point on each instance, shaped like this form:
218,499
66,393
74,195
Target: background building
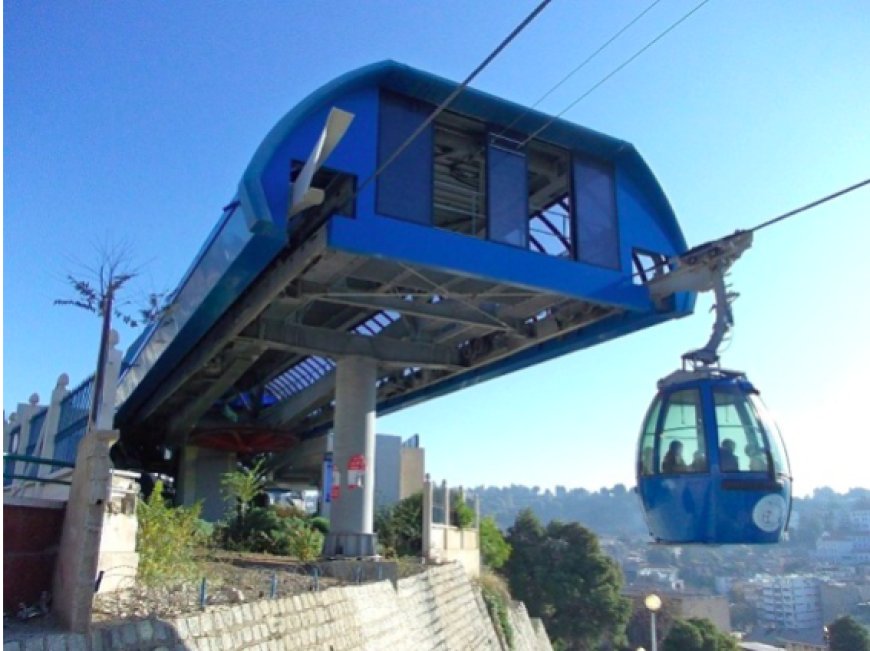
399,468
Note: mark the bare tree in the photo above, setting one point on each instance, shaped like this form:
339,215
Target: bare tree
97,290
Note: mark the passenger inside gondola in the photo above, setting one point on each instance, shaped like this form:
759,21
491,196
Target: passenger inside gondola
727,459
673,460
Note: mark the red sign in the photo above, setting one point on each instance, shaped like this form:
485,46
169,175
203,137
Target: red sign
336,491
356,471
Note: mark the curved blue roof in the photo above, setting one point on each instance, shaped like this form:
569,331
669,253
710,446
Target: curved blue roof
403,79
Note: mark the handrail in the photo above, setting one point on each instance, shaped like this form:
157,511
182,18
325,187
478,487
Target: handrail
37,460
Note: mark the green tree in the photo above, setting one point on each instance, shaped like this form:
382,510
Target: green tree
845,634
696,634
494,549
400,527
239,488
564,578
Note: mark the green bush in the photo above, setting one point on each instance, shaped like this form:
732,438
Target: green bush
167,539
305,542
494,549
461,515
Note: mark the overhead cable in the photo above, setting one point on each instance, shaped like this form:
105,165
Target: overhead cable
461,87
582,65
673,26
812,204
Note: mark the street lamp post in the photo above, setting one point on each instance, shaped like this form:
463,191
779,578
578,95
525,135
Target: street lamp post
653,603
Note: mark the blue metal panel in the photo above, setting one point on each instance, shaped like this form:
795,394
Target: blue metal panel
445,250
405,187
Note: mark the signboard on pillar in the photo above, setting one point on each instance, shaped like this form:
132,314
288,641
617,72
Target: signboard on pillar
356,471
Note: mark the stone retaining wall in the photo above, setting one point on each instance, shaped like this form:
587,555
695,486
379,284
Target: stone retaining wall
439,609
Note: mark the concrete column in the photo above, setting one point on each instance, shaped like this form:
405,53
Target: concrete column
428,495
446,502
199,478
352,513
25,413
52,420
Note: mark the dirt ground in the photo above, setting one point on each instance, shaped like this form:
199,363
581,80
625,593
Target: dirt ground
229,578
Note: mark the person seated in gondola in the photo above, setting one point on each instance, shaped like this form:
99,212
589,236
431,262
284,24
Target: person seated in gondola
699,462
757,460
727,459
673,459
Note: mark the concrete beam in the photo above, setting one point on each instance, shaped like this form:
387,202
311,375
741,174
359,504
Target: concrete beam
330,343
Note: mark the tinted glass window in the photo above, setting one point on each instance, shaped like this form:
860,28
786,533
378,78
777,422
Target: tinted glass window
743,444
508,197
597,230
646,465
405,186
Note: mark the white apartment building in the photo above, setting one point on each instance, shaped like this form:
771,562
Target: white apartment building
791,601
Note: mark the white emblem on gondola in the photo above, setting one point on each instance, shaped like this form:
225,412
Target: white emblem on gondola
769,513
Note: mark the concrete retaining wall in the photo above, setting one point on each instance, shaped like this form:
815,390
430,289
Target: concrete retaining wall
439,609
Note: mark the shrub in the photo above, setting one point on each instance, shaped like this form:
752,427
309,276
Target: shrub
461,514
167,539
305,542
497,598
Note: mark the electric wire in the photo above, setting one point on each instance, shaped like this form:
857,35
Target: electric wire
449,99
578,68
607,77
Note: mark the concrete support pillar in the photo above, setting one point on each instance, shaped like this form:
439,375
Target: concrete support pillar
446,502
199,478
428,503
76,570
352,511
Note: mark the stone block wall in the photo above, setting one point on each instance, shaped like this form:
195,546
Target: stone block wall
439,609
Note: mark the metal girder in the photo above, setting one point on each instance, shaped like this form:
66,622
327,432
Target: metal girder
235,320
330,343
186,419
445,310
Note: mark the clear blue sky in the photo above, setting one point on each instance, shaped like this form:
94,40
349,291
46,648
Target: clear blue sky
134,121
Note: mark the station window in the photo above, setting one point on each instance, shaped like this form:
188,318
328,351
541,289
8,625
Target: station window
595,214
549,202
459,184
404,188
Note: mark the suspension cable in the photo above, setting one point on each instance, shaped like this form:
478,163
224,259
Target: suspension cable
812,204
461,87
601,82
577,69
